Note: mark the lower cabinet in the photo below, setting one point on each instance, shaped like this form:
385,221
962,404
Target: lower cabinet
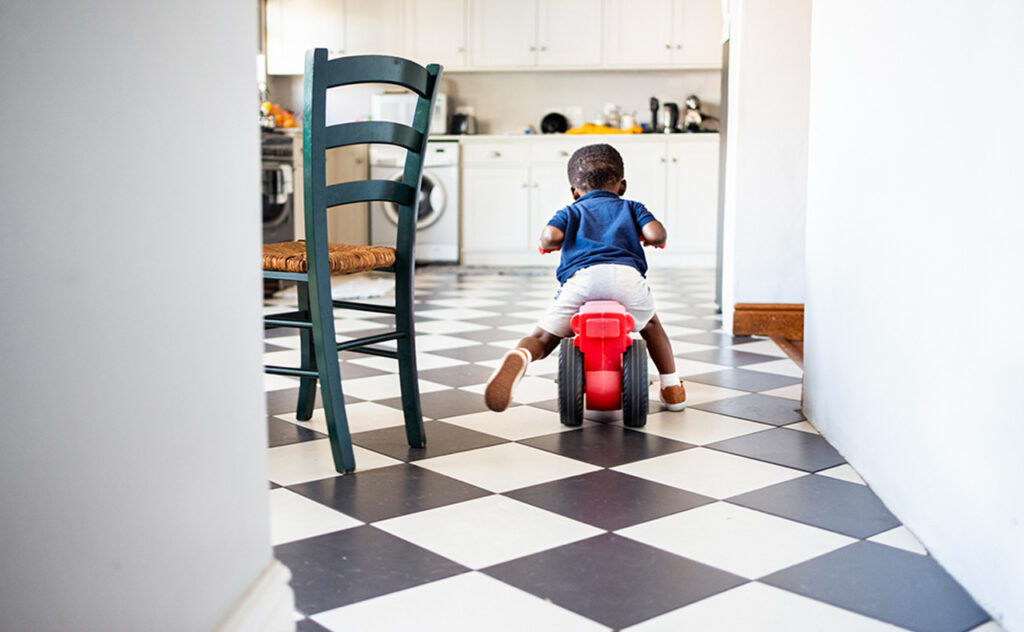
511,188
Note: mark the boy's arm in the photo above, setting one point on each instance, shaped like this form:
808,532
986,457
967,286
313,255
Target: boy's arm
551,238
653,234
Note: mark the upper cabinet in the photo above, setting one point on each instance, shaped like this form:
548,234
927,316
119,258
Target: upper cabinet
500,34
663,33
435,32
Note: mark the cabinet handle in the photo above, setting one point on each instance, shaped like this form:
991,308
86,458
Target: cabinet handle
526,185
679,46
663,159
533,49
668,46
495,154
543,48
674,159
536,185
460,49
563,153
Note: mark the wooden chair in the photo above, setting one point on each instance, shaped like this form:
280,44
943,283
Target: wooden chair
311,263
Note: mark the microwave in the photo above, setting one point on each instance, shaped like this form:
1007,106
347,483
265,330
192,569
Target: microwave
398,107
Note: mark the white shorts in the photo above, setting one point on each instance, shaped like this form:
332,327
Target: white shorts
603,282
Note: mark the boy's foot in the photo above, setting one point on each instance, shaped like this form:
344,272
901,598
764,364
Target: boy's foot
674,397
503,382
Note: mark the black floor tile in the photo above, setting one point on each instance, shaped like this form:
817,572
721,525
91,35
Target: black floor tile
442,439
777,411
714,338
284,433
792,448
745,379
461,375
474,353
285,400
388,492
280,332
613,580
490,335
727,356
703,323
609,500
340,568
886,583
443,404
269,348
820,501
606,445
504,320
308,625
352,371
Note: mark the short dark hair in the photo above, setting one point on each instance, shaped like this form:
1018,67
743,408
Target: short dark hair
595,167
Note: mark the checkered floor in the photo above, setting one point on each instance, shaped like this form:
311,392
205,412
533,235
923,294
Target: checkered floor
732,515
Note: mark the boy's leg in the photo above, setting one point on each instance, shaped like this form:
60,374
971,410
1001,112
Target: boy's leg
503,382
673,395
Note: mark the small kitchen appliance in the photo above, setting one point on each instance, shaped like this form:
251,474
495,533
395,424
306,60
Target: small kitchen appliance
692,117
398,107
463,122
671,115
654,114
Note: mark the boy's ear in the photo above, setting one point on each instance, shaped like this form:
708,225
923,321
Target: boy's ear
622,187
575,193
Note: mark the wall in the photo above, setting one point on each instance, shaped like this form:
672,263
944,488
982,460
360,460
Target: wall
914,261
133,456
536,94
766,153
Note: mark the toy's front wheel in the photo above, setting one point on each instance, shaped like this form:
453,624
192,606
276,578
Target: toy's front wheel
635,393
570,383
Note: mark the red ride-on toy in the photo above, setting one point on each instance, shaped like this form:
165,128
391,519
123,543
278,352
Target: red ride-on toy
603,365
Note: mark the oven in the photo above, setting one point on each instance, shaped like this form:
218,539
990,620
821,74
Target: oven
278,183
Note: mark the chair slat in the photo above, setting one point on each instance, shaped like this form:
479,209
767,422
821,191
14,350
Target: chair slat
369,191
373,132
378,69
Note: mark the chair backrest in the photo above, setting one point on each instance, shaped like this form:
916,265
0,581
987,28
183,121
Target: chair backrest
321,75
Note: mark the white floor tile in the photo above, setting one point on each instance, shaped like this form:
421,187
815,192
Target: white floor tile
279,382
778,367
680,347
424,362
518,422
470,602
529,314
763,608
803,426
698,393
990,626
454,313
466,301
312,460
764,347
487,531
736,539
711,473
295,517
343,325
384,387
678,331
901,538
506,467
793,391
686,367
447,327
698,427
432,342
362,416
843,472
529,390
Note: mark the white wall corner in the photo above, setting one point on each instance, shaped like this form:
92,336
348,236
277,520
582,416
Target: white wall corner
267,606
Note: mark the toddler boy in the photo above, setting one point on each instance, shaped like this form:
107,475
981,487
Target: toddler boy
601,237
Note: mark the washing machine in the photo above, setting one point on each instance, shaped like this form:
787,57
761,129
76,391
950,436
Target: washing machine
437,225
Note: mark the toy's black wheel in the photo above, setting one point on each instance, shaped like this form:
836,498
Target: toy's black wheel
635,393
570,383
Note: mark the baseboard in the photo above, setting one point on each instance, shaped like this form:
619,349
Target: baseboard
267,606
783,320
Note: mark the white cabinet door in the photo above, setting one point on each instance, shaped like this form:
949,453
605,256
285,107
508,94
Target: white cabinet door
495,213
549,192
638,32
373,28
568,33
504,33
693,193
697,33
294,26
436,32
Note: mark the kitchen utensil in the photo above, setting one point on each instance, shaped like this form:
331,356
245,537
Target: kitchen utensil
671,113
463,122
554,123
692,117
654,114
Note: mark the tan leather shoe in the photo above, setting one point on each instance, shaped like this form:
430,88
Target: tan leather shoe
503,382
674,397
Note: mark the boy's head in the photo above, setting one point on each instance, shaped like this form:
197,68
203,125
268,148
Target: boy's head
596,167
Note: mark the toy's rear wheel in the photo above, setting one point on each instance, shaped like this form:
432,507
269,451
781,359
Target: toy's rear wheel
635,394
570,383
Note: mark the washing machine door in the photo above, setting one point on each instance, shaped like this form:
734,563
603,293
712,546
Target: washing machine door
433,200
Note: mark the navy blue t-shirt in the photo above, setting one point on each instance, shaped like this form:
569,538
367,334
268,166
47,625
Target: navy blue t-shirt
601,227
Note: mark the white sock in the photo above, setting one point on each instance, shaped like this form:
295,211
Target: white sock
525,352
668,379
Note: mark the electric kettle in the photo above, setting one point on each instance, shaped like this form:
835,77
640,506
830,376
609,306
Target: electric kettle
670,113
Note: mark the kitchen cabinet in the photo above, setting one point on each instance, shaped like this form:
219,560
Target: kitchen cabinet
373,28
435,32
348,224
295,26
517,34
663,33
511,188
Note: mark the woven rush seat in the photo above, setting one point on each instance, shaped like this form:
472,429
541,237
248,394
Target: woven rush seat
290,256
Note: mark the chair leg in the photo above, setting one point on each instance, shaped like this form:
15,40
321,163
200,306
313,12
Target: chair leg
326,355
307,385
407,373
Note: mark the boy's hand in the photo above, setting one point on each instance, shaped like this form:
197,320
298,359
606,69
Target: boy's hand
545,251
661,245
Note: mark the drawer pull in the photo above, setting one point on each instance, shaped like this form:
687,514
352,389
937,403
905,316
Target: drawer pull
495,154
563,153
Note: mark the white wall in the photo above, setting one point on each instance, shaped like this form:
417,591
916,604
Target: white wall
133,453
766,153
914,357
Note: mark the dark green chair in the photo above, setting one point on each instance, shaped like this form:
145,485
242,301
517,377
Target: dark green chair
311,263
